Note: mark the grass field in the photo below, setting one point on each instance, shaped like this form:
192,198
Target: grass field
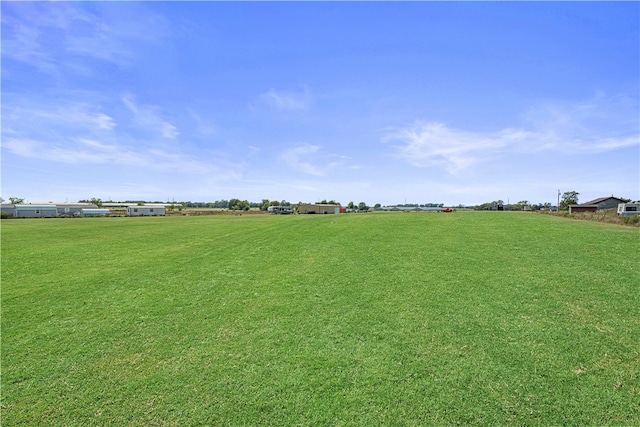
364,319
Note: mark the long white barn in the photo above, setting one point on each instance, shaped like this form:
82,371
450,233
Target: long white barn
146,210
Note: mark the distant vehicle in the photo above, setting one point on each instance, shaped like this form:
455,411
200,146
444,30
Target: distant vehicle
629,209
280,210
447,210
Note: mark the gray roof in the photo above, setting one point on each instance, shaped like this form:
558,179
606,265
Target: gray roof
600,200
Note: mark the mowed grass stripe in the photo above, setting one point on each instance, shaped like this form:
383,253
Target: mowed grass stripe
392,319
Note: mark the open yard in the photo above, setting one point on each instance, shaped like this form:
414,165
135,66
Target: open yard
364,319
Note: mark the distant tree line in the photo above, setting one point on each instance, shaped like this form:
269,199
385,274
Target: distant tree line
568,198
235,204
519,206
417,205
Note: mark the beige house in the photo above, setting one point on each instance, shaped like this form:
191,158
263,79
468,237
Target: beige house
317,208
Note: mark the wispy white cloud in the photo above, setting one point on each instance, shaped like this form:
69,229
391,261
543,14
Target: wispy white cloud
58,37
79,133
203,126
149,119
310,159
83,152
599,125
286,101
21,43
427,144
40,115
298,158
253,150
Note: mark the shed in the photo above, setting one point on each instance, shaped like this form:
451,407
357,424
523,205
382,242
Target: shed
146,210
582,208
36,211
318,208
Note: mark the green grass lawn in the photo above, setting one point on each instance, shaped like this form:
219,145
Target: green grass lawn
363,319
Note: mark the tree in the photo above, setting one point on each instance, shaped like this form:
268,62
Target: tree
362,206
521,205
94,201
239,205
350,205
233,204
488,205
264,205
16,200
568,198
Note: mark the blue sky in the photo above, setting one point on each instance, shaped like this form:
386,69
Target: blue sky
381,102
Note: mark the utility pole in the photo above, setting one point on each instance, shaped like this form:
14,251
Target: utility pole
558,205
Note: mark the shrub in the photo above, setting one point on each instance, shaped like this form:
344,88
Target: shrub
608,215
631,220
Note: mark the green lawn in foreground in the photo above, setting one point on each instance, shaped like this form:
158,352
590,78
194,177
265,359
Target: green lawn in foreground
362,319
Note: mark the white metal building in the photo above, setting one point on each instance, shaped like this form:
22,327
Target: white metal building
318,208
36,211
629,209
146,210
73,209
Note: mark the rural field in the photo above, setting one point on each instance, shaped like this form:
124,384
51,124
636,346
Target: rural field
366,319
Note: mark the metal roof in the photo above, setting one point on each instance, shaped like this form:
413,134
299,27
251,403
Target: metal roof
599,200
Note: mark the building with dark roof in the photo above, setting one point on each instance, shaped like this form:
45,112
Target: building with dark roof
597,205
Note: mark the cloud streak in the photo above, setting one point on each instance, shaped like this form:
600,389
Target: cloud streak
285,101
434,144
309,159
78,133
58,37
148,118
40,116
600,125
82,151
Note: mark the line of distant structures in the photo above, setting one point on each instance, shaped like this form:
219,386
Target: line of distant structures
75,210
52,210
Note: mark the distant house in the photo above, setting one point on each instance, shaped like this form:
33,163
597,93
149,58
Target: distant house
73,209
8,210
597,205
318,208
47,210
146,210
36,211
